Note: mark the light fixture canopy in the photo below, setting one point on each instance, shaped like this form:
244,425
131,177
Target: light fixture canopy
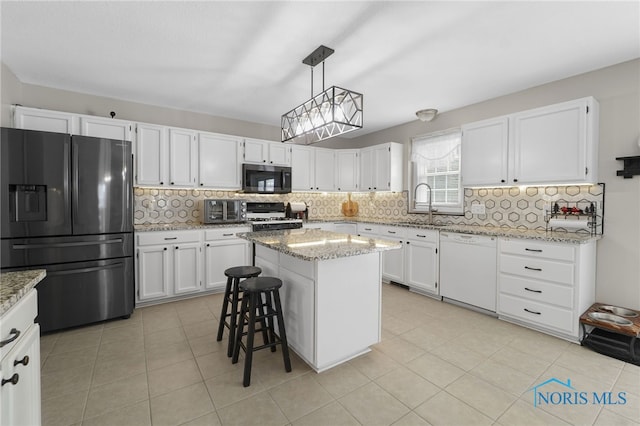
333,112
427,114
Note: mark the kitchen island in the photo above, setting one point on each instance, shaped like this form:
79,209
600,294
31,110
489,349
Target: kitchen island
331,293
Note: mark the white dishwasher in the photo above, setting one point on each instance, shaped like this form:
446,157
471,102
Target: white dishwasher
468,269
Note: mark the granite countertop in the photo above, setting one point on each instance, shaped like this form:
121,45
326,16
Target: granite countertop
185,226
15,285
315,244
531,234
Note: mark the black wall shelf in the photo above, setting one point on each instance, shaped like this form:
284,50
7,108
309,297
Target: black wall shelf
631,166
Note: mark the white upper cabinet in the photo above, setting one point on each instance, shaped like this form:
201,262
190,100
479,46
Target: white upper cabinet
485,155
109,128
151,155
302,168
279,154
347,168
324,169
45,120
556,144
218,161
182,155
381,167
266,152
73,124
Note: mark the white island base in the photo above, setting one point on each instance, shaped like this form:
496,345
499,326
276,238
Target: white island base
332,308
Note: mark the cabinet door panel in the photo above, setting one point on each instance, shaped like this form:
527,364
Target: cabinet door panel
485,152
45,120
186,268
549,144
255,151
105,128
366,169
181,157
150,161
221,255
422,266
393,263
302,168
347,170
153,272
279,154
218,162
325,170
382,164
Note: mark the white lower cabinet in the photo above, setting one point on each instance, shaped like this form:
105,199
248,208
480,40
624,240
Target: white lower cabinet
153,272
421,260
546,286
187,276
168,263
416,263
173,263
223,250
393,267
20,364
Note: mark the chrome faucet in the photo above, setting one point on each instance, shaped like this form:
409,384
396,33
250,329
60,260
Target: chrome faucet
415,202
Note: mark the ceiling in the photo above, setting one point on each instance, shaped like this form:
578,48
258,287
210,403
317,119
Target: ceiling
243,59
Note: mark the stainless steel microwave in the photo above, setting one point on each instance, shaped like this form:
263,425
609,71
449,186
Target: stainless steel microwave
223,211
263,179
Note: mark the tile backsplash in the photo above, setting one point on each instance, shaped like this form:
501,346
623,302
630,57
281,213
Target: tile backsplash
512,207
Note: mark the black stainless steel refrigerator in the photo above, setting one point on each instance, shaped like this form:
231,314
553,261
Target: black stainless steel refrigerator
67,207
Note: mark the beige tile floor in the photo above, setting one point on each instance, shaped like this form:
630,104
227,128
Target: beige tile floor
437,364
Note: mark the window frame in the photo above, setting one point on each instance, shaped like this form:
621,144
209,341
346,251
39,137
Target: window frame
437,207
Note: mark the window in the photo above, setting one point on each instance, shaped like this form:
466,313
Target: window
435,160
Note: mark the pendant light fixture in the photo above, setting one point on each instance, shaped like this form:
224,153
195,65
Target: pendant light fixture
333,112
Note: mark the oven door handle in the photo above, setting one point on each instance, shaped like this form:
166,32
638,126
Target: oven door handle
85,270
62,245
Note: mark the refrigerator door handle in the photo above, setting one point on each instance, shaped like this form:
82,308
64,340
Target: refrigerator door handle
62,245
85,270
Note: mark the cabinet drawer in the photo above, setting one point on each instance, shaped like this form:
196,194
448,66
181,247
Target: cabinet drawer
538,269
392,232
224,233
367,228
422,235
21,317
537,249
159,238
538,291
537,313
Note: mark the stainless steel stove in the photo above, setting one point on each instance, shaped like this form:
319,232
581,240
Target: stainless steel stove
270,217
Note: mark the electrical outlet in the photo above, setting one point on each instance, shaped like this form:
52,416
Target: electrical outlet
477,208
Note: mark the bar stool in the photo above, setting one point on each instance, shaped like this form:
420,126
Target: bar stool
253,289
234,275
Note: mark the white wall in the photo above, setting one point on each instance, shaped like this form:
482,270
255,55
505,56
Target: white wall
617,88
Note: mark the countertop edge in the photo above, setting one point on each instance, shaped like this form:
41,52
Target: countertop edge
15,285
386,245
